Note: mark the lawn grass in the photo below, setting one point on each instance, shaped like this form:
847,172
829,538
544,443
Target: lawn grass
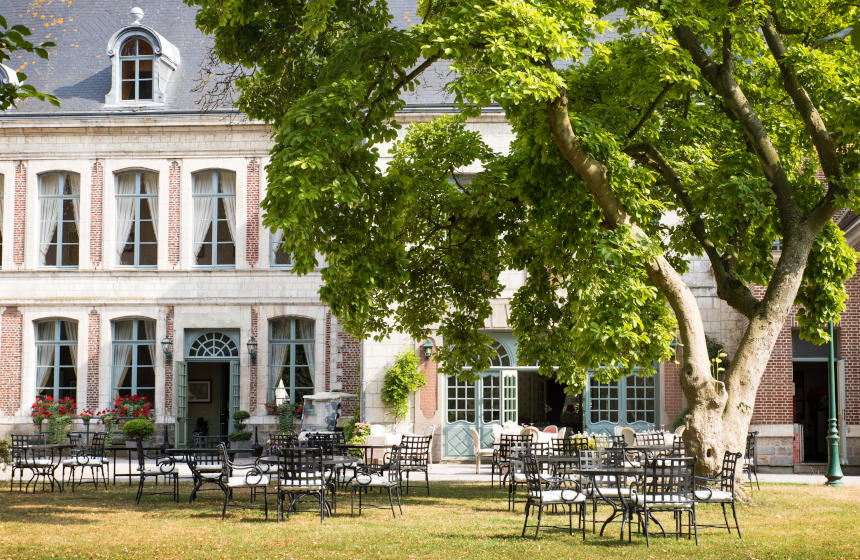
457,521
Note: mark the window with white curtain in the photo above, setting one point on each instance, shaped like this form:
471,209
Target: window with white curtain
132,368
56,358
136,64
214,195
137,219
59,193
291,359
280,258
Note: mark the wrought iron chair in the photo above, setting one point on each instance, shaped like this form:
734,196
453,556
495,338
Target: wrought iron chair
724,493
252,478
750,461
517,472
207,467
90,456
666,487
164,466
556,492
480,451
508,447
18,455
388,478
42,461
300,473
414,452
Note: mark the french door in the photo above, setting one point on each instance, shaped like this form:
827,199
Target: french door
492,399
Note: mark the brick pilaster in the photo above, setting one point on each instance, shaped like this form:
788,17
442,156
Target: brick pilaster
168,365
347,366
20,226
11,330
93,354
97,181
174,185
255,320
427,396
252,231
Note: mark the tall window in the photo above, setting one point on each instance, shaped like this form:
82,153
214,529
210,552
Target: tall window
280,258
137,218
1,220
136,63
133,372
215,218
58,235
56,358
291,359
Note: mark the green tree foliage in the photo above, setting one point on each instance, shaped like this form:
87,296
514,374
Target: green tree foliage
401,379
690,133
14,39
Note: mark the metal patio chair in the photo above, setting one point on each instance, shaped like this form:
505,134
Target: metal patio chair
723,493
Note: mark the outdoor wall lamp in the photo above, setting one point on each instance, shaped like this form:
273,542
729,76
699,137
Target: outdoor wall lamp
252,349
167,348
428,348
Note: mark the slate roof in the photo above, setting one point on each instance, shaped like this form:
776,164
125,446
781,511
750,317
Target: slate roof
79,69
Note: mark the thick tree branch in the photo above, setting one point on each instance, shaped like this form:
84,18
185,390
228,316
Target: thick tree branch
726,86
729,286
821,139
649,111
398,86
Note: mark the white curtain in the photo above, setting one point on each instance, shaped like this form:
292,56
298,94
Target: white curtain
280,332
1,204
71,329
149,330
202,208
125,189
44,352
73,182
122,331
49,189
305,330
150,187
227,181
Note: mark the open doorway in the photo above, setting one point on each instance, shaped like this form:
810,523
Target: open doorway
209,398
542,401
810,408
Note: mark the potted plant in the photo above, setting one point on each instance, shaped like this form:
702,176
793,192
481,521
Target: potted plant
135,428
58,413
241,437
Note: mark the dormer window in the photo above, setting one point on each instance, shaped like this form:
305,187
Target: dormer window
136,61
142,64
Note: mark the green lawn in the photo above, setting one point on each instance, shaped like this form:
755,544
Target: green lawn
458,521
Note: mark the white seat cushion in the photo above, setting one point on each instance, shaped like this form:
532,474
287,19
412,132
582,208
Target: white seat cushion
564,496
83,462
376,480
251,480
209,468
152,470
713,496
609,492
663,501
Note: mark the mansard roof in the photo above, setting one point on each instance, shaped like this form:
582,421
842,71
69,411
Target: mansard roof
78,71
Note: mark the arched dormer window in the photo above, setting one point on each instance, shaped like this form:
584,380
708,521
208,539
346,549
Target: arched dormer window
136,61
142,64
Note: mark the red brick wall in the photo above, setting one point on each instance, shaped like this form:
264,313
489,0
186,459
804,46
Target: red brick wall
427,395
173,212
96,198
11,329
20,225
93,353
255,319
849,329
673,396
347,369
252,232
774,401
168,366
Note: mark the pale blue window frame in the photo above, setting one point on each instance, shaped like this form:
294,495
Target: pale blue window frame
142,351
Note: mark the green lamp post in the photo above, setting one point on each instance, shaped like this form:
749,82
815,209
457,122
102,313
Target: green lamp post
834,471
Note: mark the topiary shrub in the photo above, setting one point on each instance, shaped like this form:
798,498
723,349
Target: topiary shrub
402,378
241,433
138,428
